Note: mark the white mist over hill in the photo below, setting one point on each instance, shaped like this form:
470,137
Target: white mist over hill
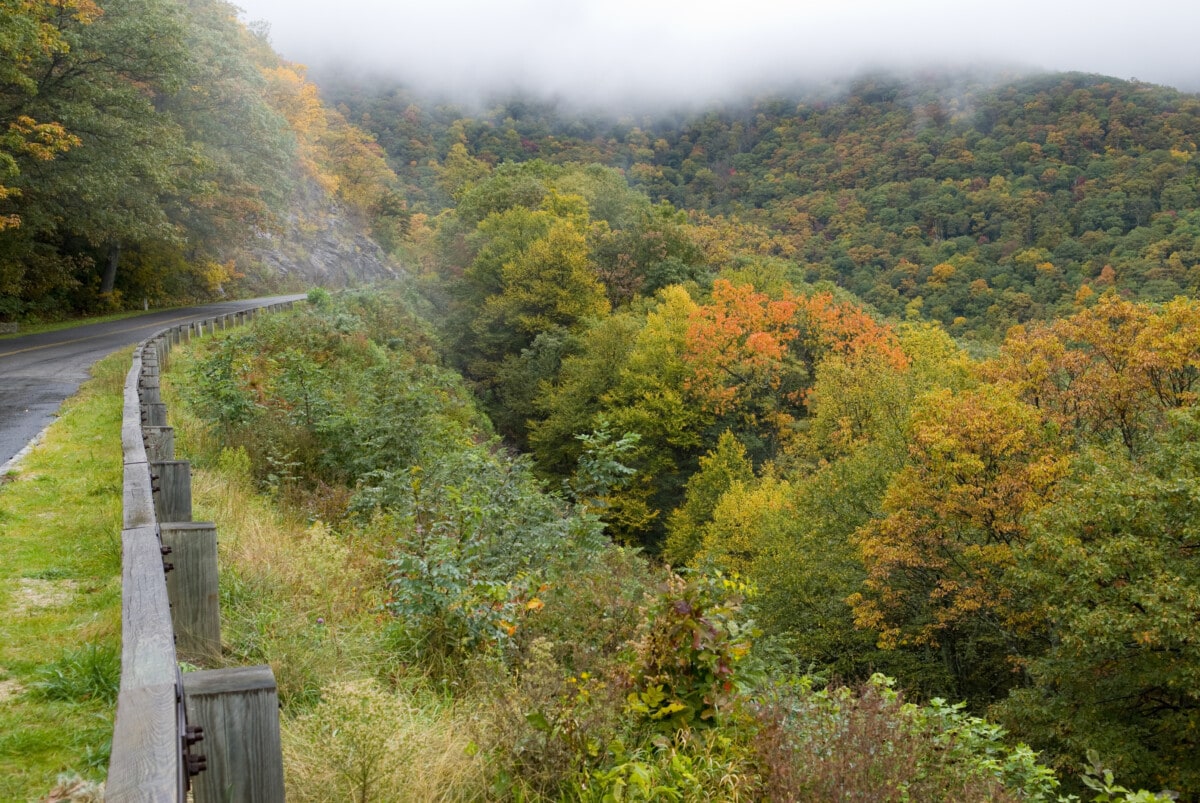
598,51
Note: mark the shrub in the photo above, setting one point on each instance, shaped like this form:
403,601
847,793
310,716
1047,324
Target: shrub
366,743
692,638
868,744
319,297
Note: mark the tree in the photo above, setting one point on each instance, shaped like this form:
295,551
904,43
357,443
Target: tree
938,560
101,78
739,356
568,405
650,399
243,151
549,284
724,466
1114,564
29,34
752,357
1109,371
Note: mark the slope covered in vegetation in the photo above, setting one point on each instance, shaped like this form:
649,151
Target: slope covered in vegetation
973,527
946,198
445,627
148,148
894,503
1012,532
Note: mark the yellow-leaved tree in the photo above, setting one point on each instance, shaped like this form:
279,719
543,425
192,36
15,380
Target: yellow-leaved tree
980,462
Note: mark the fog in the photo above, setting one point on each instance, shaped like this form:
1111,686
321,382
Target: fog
606,51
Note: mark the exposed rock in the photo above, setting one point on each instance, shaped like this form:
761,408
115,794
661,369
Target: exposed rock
322,243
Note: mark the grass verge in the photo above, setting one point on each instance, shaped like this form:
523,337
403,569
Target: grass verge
60,594
54,326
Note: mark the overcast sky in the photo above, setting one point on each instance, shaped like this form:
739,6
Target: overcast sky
609,50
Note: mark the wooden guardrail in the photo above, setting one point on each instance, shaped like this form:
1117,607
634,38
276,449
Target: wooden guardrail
215,731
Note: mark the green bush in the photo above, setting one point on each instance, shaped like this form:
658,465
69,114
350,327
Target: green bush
693,638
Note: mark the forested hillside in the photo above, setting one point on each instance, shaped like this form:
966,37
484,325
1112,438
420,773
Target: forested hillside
761,328
152,149
972,203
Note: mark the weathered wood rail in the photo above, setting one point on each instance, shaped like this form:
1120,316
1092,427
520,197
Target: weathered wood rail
219,733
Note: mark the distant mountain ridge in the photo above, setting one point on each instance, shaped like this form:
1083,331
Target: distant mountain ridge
978,205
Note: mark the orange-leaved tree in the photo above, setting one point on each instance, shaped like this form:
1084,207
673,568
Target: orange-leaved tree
753,356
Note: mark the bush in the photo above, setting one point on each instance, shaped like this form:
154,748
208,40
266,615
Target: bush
319,297
366,743
868,744
692,639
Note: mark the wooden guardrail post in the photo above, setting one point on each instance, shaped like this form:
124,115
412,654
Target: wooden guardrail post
173,490
160,443
154,415
192,586
151,393
239,711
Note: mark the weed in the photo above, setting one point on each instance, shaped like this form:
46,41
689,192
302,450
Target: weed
52,573
92,672
71,788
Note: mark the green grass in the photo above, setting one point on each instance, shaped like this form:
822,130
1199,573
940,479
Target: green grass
60,594
54,326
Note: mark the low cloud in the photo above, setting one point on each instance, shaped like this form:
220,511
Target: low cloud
676,51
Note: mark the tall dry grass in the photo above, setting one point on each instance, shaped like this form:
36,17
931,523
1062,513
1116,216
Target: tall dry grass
364,742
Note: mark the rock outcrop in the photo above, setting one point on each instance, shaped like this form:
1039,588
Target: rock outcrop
321,242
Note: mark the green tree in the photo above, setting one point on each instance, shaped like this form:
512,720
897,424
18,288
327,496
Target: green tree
650,398
720,469
1113,566
567,405
102,84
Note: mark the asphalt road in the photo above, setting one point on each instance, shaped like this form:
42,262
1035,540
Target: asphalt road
39,372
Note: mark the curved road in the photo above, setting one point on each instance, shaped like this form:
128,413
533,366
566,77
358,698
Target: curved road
38,372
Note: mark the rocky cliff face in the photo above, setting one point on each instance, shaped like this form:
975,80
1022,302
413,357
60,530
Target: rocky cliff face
321,242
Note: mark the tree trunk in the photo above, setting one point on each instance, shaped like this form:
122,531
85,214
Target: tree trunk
110,270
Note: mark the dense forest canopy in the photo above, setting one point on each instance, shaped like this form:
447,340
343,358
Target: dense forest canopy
975,204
